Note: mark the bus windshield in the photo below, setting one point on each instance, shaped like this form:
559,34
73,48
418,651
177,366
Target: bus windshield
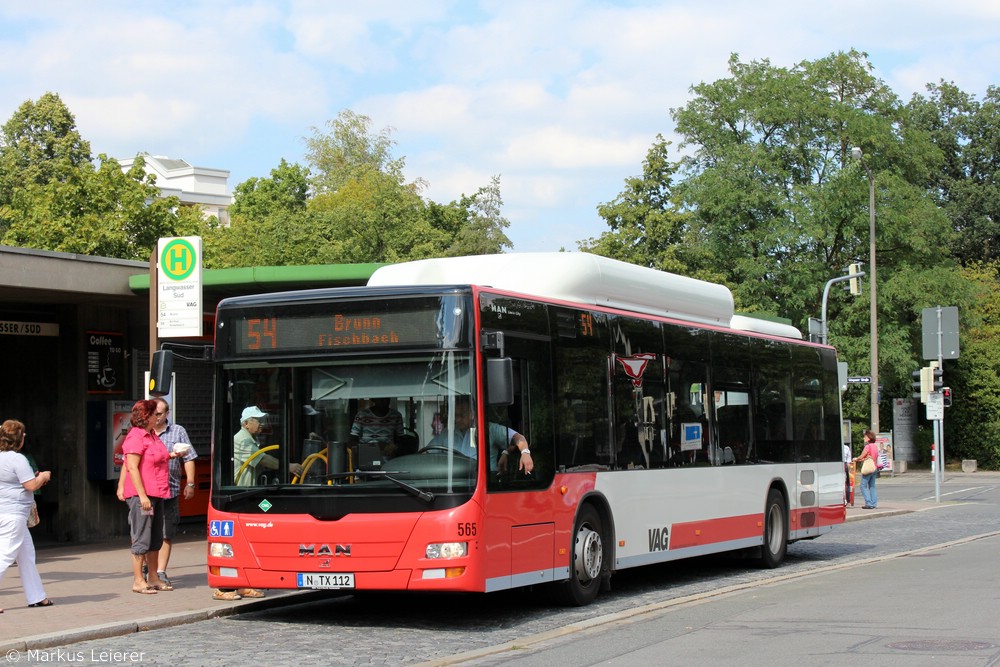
379,424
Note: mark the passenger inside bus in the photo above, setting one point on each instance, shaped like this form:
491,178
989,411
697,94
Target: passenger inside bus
249,463
502,440
378,425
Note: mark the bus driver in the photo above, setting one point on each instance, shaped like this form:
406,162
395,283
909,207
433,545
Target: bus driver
502,439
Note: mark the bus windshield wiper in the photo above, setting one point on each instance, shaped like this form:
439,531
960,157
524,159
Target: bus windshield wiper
426,496
257,491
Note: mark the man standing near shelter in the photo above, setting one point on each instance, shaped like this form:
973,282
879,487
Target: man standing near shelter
174,436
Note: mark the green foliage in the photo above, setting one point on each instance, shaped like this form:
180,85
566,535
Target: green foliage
768,200
40,145
967,185
352,205
648,227
286,191
53,197
350,151
481,228
972,424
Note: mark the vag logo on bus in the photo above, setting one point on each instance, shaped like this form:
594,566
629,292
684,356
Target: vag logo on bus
659,539
324,550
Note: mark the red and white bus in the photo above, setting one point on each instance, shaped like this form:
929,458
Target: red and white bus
660,426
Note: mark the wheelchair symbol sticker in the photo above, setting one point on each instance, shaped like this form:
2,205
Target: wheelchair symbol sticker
220,528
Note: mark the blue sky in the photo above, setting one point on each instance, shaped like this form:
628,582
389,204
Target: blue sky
560,98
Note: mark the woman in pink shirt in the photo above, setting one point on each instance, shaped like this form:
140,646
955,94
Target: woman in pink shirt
144,488
868,481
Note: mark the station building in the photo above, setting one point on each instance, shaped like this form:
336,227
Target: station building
74,346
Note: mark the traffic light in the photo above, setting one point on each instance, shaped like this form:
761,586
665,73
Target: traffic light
855,281
938,378
916,384
161,369
926,382
946,395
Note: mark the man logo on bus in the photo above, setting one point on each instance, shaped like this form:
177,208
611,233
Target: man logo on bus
635,366
324,550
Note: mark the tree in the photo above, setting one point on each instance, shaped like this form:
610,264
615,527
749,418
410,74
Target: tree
973,422
350,151
38,145
769,197
481,228
648,225
967,186
53,197
358,207
104,212
269,223
285,191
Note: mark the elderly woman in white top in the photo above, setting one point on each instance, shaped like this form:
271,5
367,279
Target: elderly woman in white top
17,485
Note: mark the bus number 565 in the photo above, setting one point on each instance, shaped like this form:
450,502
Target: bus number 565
467,529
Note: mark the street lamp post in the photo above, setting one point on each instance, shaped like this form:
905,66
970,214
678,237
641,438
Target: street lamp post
859,156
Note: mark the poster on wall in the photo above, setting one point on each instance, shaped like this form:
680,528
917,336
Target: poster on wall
120,418
885,453
106,372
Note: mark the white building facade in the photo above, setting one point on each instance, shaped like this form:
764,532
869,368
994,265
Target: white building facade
208,189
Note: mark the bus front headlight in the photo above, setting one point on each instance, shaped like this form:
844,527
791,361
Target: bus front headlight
447,550
220,549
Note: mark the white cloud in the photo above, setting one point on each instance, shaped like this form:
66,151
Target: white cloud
561,98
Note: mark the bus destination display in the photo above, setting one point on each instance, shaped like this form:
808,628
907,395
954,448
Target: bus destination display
335,330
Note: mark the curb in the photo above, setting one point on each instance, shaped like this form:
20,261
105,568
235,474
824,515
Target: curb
119,629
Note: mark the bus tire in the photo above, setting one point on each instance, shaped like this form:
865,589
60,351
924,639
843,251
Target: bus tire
589,559
772,552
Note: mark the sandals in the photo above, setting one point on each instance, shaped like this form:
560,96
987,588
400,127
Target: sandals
44,603
250,593
226,596
161,586
148,590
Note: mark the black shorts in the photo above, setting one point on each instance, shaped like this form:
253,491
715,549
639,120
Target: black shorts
171,517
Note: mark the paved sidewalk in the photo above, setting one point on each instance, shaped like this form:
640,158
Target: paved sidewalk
91,586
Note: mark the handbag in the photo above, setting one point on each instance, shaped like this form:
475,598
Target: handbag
33,515
868,467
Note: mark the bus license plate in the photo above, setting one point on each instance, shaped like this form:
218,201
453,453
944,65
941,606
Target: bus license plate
325,580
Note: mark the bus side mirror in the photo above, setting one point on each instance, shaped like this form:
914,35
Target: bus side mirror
161,368
500,381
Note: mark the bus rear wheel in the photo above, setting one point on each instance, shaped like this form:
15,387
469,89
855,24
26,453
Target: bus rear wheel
772,552
588,564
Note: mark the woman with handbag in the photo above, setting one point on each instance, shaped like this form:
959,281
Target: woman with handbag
17,485
869,471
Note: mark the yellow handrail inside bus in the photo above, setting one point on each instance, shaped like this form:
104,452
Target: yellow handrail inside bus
243,468
311,459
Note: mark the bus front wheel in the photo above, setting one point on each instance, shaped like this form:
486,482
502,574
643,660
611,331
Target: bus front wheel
588,563
772,552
